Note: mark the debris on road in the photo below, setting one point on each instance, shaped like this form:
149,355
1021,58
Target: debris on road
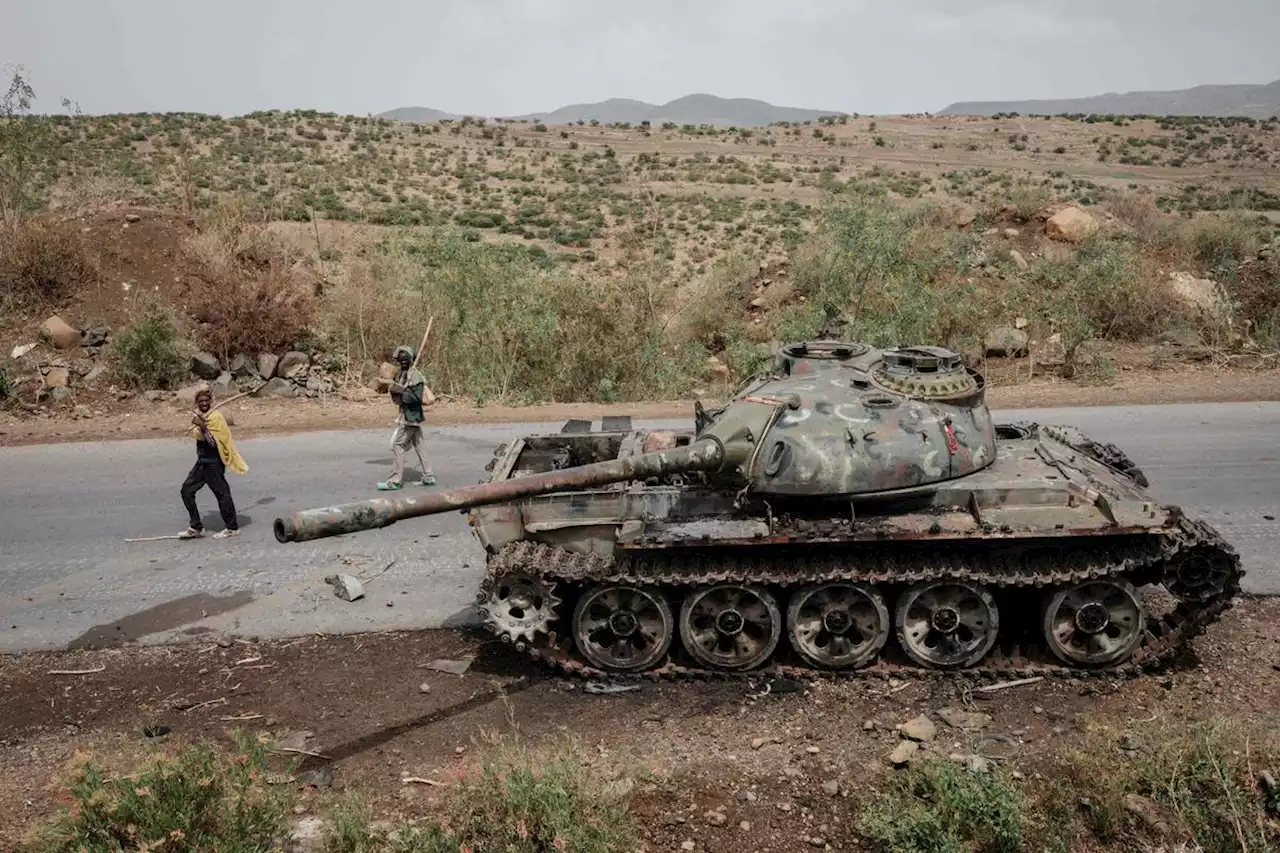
99,668
599,688
453,667
347,587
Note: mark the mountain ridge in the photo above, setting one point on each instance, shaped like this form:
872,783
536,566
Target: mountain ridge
697,108
1250,100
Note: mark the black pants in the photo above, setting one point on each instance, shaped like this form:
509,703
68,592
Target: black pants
213,475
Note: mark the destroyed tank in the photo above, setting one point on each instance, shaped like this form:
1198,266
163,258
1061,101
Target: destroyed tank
849,511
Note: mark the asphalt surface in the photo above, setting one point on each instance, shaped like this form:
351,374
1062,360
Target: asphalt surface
68,578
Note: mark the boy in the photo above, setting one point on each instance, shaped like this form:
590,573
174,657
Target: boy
215,452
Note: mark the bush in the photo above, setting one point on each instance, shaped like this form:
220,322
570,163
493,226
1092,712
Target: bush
147,352
509,325
250,299
42,260
517,801
197,802
8,384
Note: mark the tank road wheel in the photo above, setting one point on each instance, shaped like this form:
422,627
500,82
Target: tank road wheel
947,624
1094,623
837,625
516,607
623,628
730,626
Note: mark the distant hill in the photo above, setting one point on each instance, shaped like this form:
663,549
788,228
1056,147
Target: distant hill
691,109
1256,101
417,115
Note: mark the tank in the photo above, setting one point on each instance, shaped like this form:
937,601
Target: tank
849,511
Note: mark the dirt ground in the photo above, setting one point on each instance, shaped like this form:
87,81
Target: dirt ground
105,418
377,711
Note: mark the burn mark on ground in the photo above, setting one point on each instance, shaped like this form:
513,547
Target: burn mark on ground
162,617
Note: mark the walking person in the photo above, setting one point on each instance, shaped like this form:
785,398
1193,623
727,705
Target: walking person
407,391
215,452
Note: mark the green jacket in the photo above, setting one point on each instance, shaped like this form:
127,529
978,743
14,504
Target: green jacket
411,400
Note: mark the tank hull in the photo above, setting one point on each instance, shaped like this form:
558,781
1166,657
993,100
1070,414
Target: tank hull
676,577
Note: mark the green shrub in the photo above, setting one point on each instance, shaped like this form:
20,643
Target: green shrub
148,352
200,801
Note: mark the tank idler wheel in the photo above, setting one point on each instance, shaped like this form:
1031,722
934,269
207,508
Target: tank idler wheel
623,628
730,626
1094,623
837,625
517,607
947,624
1197,575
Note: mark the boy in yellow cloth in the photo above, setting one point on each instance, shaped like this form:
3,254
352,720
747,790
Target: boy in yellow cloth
215,452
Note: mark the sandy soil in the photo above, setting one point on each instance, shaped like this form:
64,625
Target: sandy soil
378,711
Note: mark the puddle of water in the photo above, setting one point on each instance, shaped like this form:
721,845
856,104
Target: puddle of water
162,617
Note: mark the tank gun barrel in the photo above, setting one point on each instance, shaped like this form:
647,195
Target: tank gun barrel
706,454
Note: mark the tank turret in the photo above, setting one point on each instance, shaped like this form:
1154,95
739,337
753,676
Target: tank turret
844,497
830,421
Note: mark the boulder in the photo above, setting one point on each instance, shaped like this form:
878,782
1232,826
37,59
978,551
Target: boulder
293,364
267,364
205,365
97,336
59,333
1018,259
57,377
277,387
1199,293
920,729
62,396
187,394
242,366
98,369
223,386
1070,225
1006,341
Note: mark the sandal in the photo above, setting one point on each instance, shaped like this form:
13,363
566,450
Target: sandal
428,480
226,534
191,533
390,487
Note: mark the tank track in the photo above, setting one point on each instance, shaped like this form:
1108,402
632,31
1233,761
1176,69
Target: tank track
1163,639
1108,454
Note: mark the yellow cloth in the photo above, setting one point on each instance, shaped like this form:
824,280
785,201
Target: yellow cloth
222,435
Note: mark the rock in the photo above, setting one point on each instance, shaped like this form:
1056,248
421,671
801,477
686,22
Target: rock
718,367
132,217
831,787
1011,232
62,395
242,366
347,587
309,835
277,387
1018,260
921,728
319,385
424,687
869,725
293,364
1158,819
715,818
687,845
1181,337
756,743
97,370
1071,225
81,366
991,232
205,365
223,386
59,333
267,364
816,841
1007,341
187,394
1199,293
21,349
57,377
97,336
958,718
963,215
156,396
903,752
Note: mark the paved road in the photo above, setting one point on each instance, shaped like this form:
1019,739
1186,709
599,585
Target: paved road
67,577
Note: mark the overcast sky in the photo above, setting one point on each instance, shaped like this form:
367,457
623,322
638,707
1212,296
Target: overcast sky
506,57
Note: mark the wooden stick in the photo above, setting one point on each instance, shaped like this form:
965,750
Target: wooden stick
238,396
422,345
155,538
99,668
991,688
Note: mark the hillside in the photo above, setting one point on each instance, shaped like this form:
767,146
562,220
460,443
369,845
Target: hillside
690,109
1246,100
